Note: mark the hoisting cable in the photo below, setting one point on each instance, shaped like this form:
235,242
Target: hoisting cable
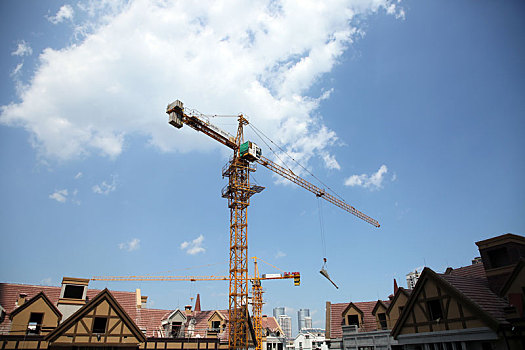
257,131
321,225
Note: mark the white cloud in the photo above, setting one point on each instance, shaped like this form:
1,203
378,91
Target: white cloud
78,175
46,281
136,57
22,49
59,195
280,254
374,181
193,247
65,12
130,246
17,69
106,187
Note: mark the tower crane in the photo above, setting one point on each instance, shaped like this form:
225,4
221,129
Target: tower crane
257,292
238,192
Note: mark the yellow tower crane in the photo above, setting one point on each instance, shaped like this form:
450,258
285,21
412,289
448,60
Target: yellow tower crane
238,191
257,298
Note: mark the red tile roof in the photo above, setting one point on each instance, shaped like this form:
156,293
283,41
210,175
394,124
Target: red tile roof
144,318
337,321
472,283
271,324
475,270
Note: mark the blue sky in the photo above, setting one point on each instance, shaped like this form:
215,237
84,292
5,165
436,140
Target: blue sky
412,111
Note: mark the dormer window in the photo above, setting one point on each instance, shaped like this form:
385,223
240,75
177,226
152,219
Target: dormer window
382,320
175,329
353,320
216,325
35,323
72,291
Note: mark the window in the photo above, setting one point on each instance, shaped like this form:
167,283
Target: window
215,325
99,325
175,329
353,320
35,323
435,310
382,320
401,308
73,292
498,257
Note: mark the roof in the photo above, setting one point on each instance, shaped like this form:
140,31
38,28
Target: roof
33,300
468,284
77,316
400,291
475,270
337,321
143,317
472,283
271,324
200,319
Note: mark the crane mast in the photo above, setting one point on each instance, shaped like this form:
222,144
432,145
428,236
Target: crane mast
238,193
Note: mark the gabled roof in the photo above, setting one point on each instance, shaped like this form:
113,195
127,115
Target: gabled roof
144,318
84,310
200,322
379,303
172,314
466,285
271,324
221,316
337,320
351,305
400,291
28,303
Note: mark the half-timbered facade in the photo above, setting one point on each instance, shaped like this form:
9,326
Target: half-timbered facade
474,307
32,317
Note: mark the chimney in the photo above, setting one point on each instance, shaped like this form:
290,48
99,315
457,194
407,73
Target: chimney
187,309
21,299
198,303
138,298
328,311
144,301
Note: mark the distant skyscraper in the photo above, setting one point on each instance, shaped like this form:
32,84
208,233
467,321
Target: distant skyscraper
412,277
301,322
285,321
286,325
278,311
307,322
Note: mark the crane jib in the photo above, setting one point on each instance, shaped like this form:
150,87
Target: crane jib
286,173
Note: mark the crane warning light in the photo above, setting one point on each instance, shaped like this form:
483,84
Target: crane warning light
250,151
175,110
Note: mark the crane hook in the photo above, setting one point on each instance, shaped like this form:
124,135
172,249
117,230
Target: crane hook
325,273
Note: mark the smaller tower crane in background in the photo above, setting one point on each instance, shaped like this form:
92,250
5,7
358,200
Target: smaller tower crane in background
257,296
257,291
